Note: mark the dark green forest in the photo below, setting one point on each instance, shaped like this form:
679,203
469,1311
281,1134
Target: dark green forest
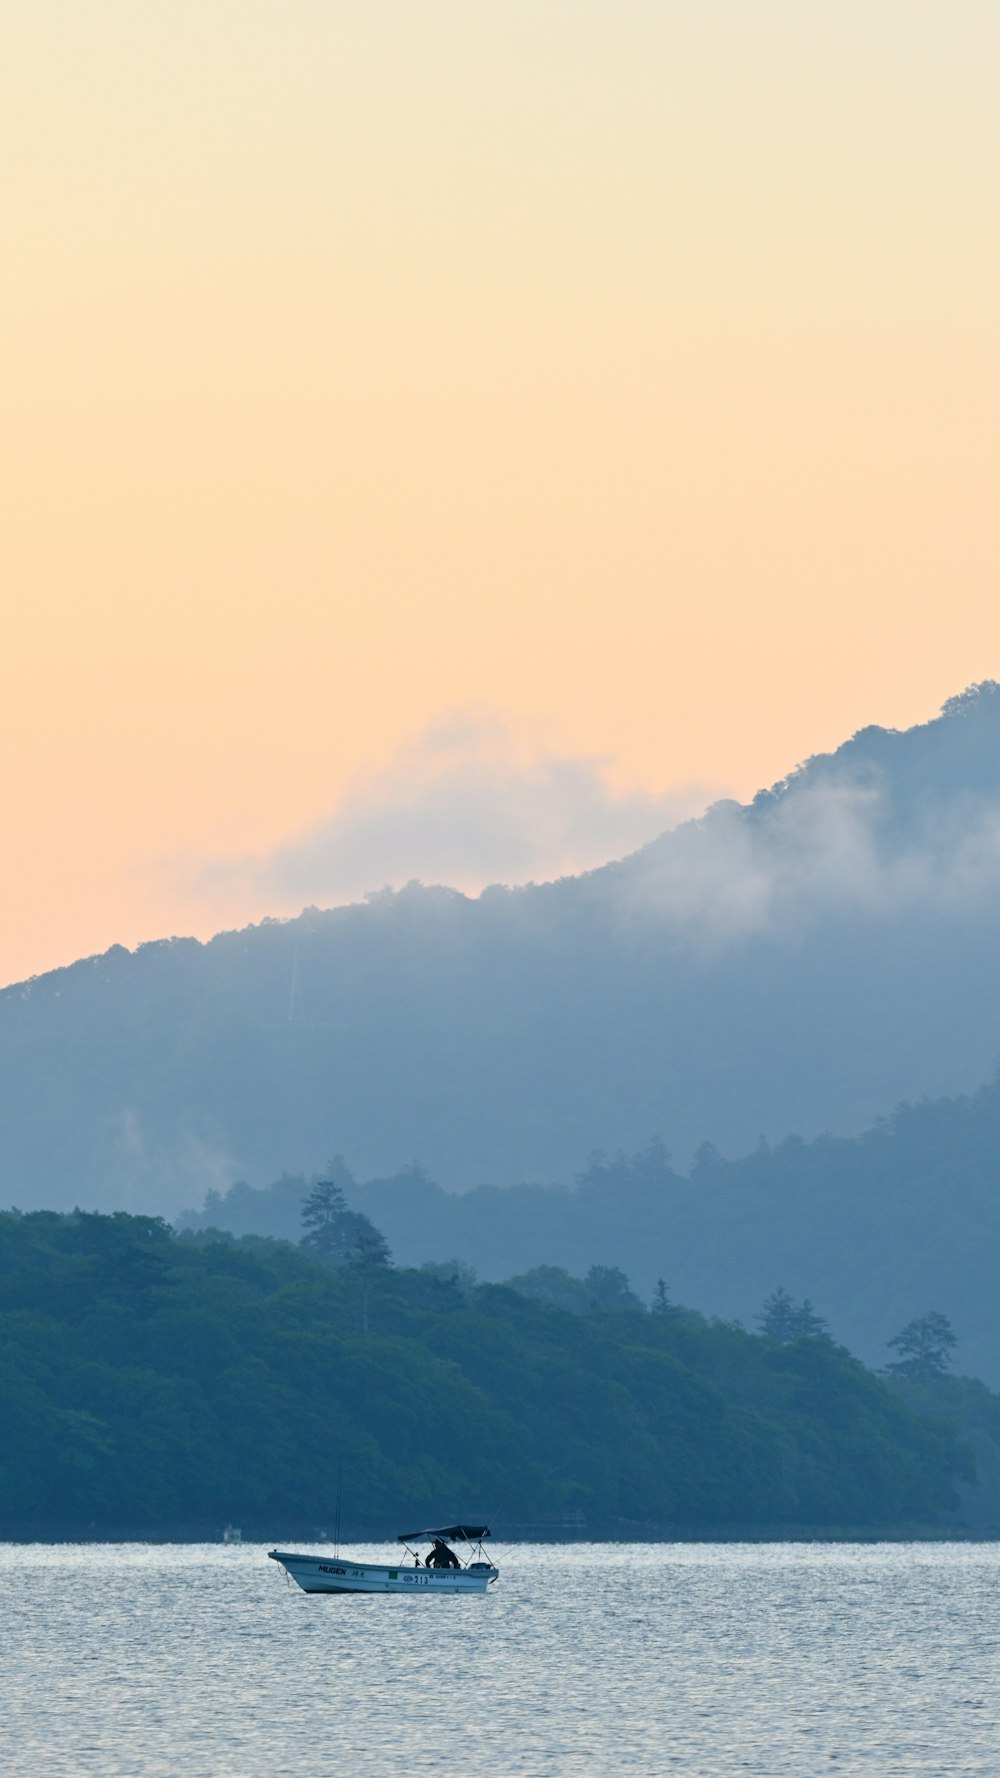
874,1228
157,1382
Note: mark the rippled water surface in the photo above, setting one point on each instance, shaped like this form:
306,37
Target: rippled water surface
197,1661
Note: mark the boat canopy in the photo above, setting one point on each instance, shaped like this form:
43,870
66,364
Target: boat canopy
473,1533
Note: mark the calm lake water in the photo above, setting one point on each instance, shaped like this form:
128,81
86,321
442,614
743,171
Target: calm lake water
199,1661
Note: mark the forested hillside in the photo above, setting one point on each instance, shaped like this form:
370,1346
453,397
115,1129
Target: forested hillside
799,964
155,1382
874,1229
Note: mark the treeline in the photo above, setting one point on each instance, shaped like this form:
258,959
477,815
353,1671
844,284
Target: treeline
151,1380
874,1228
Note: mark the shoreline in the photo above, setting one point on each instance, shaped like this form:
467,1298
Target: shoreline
20,1535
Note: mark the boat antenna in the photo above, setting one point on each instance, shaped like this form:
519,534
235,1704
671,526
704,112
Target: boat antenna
340,1489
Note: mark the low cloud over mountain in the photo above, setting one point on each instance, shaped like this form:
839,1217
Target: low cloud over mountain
800,963
891,825
467,803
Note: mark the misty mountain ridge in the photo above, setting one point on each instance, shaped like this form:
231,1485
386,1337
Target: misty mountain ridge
892,818
800,963
874,1229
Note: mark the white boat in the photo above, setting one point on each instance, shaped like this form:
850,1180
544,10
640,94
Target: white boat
443,1571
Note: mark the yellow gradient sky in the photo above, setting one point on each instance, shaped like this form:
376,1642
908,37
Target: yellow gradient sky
623,371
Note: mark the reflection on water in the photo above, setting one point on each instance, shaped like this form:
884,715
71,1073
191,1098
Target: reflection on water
194,1661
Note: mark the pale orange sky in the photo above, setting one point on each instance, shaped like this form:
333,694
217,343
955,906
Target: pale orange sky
628,371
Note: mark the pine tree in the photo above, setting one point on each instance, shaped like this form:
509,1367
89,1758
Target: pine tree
779,1317
809,1325
339,1235
783,1319
323,1215
925,1346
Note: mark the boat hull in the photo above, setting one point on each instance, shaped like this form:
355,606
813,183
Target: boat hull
338,1574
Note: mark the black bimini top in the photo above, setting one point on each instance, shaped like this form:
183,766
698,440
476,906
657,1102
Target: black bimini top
473,1533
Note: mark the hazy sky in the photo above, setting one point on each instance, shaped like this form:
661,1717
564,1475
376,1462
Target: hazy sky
614,381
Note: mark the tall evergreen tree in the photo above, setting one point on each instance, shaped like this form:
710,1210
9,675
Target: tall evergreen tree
925,1346
778,1318
783,1319
810,1326
323,1217
339,1235
661,1304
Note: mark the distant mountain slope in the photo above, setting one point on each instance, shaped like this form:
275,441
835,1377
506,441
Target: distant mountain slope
797,964
874,1229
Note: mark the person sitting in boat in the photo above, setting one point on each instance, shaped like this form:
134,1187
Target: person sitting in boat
441,1556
